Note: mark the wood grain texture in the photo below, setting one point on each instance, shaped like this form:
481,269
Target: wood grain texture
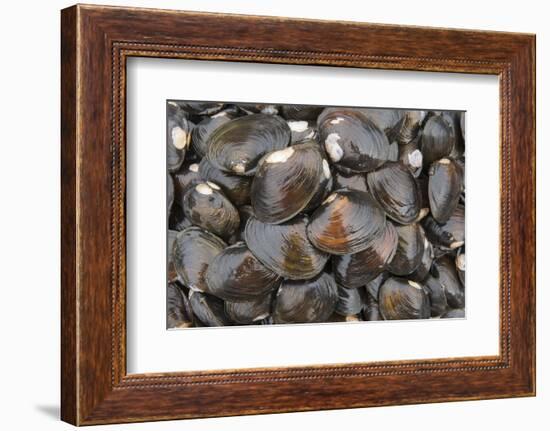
96,41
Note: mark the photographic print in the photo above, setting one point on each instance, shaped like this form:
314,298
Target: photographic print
289,214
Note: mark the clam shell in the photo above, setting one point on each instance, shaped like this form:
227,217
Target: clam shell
400,299
208,309
169,192
248,312
301,112
192,252
178,310
460,263
437,139
236,274
178,138
410,249
201,108
286,181
411,156
352,140
177,220
351,182
456,313
354,270
373,286
444,188
350,301
306,301
423,269
448,277
436,293
205,128
371,311
206,206
449,235
186,177
408,127
323,189
302,131
235,187
285,248
395,189
238,145
385,119
347,222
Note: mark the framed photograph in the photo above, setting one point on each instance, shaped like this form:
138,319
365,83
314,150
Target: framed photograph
266,215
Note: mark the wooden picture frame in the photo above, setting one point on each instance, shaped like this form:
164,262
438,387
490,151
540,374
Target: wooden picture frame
96,41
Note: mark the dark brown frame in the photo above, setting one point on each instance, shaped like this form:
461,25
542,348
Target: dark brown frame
95,43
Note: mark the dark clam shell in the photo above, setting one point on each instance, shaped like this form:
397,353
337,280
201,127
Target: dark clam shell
206,206
436,292
186,177
236,275
285,248
449,235
208,309
408,127
385,119
353,141
347,222
203,130
437,139
177,220
301,112
423,269
395,189
457,119
410,249
302,131
371,311
286,181
373,286
454,313
448,277
238,145
178,137
323,189
350,301
235,187
170,239
411,156
178,310
354,270
400,299
248,312
169,192
306,301
201,108
444,188
351,182
460,263
260,108
192,252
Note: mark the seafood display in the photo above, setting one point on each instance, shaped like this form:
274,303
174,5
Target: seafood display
292,214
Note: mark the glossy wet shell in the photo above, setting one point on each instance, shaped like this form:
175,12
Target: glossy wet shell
347,222
353,141
249,311
286,181
449,235
385,119
411,156
323,189
306,301
355,270
351,182
178,309
437,139
373,286
208,309
436,293
192,252
238,145
235,187
410,249
400,299
186,177
448,277
408,127
203,130
206,206
350,301
444,188
285,248
423,269
395,189
236,275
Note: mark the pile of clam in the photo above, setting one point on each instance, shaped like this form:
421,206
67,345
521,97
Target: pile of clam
298,214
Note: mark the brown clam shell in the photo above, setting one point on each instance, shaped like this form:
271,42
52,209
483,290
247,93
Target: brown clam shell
437,139
306,301
286,180
400,299
285,248
238,145
395,189
192,252
347,222
236,274
355,270
444,188
410,249
206,206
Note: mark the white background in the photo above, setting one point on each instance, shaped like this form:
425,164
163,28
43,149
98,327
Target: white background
153,349
29,216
